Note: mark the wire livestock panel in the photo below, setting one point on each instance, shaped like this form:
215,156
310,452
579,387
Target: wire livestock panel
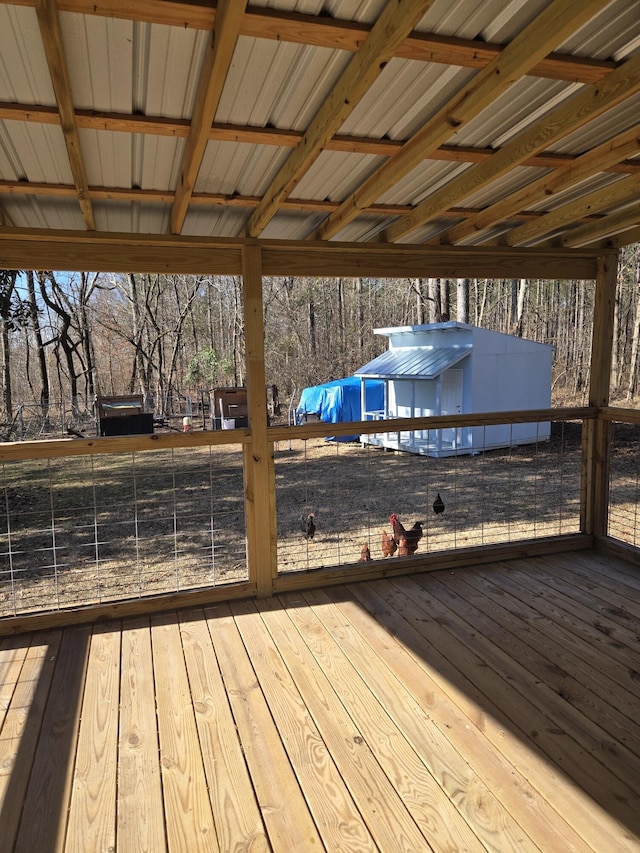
518,492
624,483
109,527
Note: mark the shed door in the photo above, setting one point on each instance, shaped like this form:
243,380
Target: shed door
451,400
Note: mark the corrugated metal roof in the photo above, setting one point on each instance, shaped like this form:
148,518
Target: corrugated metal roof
147,70
414,362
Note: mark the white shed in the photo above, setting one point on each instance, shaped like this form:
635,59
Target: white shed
450,368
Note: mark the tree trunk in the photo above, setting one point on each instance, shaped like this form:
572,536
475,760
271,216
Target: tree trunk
462,300
45,398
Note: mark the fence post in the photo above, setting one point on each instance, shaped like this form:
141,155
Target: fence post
258,454
596,446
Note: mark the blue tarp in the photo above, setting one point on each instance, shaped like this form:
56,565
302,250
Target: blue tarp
339,401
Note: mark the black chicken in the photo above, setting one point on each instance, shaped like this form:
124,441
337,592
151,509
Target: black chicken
309,526
438,505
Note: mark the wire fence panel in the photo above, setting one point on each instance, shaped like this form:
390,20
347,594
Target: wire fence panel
624,483
108,527
495,496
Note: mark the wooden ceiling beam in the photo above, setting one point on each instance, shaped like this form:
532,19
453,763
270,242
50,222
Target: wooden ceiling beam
394,23
620,192
535,41
51,33
329,32
572,114
216,63
599,159
161,126
28,188
22,248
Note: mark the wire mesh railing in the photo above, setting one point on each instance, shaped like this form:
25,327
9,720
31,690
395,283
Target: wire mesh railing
624,483
498,495
94,528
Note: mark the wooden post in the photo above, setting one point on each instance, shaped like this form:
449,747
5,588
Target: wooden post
258,454
596,438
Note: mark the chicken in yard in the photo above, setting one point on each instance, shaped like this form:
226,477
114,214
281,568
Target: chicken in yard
403,548
412,536
389,546
309,526
365,553
438,504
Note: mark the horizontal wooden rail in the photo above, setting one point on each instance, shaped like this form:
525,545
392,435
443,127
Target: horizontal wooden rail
620,415
321,429
60,447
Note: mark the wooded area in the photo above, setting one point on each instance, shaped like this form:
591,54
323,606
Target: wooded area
69,337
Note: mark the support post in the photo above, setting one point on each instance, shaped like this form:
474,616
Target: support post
596,442
258,454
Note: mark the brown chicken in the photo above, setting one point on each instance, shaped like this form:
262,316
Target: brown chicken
389,546
403,547
365,553
411,536
309,526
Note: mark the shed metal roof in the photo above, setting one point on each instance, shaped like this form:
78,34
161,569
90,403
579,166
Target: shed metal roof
414,362
422,121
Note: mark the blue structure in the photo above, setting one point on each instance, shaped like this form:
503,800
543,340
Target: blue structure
341,401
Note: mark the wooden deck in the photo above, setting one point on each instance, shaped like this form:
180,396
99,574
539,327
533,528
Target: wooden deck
494,708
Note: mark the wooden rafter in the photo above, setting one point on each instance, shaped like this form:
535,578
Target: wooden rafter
393,25
620,192
574,113
331,33
535,41
599,159
607,226
214,71
51,32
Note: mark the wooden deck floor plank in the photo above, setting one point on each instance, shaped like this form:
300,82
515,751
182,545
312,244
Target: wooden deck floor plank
550,656
13,651
516,703
612,611
280,665
21,729
140,814
188,817
236,814
44,816
568,818
490,752
593,646
286,815
324,668
611,782
619,596
459,797
600,566
92,812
